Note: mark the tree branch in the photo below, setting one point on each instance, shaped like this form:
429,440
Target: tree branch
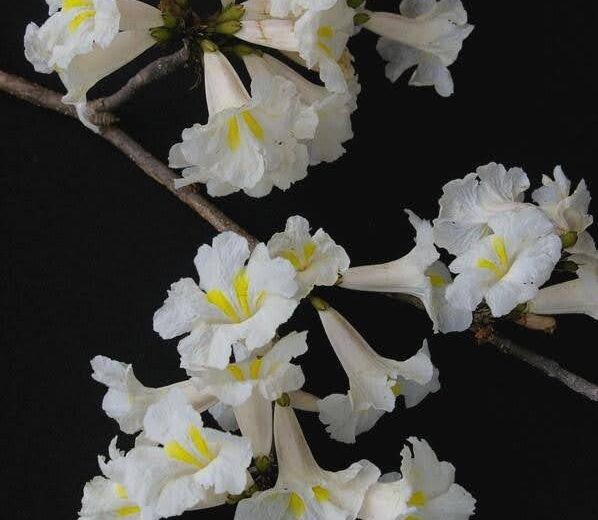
158,171
153,72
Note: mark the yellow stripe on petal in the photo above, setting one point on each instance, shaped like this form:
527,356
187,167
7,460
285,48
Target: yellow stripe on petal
436,280
241,286
254,368
309,250
325,49
296,505
254,126
292,257
236,372
121,491
498,244
217,298
321,493
326,32
175,451
80,19
128,511
67,5
418,499
411,517
200,443
233,135
484,263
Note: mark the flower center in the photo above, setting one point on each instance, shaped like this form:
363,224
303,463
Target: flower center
325,33
301,260
502,265
233,135
240,373
200,456
241,307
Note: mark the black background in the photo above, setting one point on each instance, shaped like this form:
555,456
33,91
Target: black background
92,244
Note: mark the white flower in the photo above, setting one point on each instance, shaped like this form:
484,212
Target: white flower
250,386
375,382
127,400
418,274
193,466
568,211
578,296
428,35
249,143
270,375
105,496
342,422
86,40
240,297
508,267
318,37
224,415
304,490
468,204
284,8
317,259
322,39
333,111
426,491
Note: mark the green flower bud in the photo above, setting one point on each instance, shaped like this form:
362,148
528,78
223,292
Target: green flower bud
361,18
161,34
230,27
569,239
284,400
231,12
170,21
318,303
262,463
355,3
208,46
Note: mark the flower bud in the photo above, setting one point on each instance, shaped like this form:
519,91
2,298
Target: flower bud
170,21
354,4
161,34
208,46
569,239
361,18
231,12
230,27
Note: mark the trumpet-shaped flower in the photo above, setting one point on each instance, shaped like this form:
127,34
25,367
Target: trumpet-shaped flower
568,211
578,296
270,375
86,40
106,496
318,38
317,259
322,39
342,422
508,267
467,205
375,381
333,111
127,400
251,385
191,467
426,490
418,274
303,489
240,297
428,35
249,143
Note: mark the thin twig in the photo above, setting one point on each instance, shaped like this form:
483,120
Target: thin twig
152,72
547,366
158,171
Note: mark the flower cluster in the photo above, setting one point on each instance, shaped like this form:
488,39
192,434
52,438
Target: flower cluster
248,378
504,249
267,135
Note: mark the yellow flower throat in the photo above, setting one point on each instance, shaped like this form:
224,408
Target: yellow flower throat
87,12
502,265
241,307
